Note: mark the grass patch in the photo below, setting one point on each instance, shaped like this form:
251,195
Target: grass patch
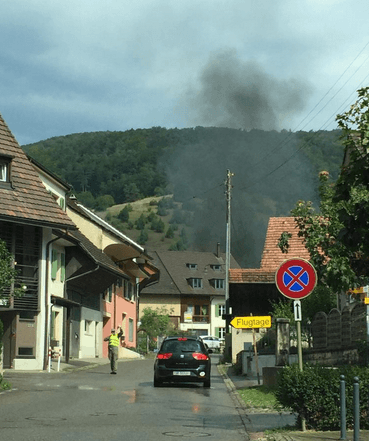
260,397
4,385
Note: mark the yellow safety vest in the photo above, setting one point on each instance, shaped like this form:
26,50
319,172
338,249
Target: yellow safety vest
114,340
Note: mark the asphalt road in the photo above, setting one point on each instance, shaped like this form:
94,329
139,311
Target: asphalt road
95,405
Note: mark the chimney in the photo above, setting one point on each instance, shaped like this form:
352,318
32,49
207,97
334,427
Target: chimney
218,249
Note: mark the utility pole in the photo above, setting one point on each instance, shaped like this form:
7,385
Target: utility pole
228,246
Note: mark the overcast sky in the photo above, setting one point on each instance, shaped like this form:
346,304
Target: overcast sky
92,65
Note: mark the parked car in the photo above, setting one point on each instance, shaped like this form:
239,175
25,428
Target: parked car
211,342
182,359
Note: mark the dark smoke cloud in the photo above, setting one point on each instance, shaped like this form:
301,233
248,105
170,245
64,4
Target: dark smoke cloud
240,95
237,94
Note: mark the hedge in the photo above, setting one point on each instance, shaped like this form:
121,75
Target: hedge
314,393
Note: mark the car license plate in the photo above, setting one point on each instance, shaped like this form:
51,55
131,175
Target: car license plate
184,373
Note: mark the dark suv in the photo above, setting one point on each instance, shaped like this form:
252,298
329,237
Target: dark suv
182,359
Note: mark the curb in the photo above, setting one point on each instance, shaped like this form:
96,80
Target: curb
242,409
240,405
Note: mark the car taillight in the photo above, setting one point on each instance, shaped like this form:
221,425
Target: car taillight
199,356
164,356
182,338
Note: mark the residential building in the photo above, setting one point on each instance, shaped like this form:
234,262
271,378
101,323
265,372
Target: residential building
80,273
191,288
252,290
30,221
120,297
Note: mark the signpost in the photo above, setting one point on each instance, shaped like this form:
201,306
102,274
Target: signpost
297,310
295,279
251,322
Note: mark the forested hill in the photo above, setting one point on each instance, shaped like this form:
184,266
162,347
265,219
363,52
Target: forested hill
134,164
272,171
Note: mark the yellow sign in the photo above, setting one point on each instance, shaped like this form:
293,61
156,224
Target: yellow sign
366,300
251,322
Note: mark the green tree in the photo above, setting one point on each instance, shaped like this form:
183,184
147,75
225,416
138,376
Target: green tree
143,237
103,202
155,323
86,198
337,236
157,225
124,214
141,222
170,233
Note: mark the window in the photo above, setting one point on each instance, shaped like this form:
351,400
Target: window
201,313
5,162
129,292
219,310
192,266
216,267
88,324
25,352
4,174
195,282
220,332
218,283
110,294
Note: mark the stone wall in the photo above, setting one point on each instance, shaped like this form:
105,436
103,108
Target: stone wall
337,330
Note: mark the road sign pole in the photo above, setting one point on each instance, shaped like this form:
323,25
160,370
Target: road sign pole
299,345
296,278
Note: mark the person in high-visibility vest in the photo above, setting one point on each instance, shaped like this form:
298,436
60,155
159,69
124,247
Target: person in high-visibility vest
114,342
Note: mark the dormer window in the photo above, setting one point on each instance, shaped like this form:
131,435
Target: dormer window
195,282
192,266
5,162
218,283
216,267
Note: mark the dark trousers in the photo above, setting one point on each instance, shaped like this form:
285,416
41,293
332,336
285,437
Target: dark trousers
113,355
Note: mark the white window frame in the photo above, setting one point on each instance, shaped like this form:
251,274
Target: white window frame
196,282
219,283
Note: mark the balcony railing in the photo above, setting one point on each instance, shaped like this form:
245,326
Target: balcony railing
196,319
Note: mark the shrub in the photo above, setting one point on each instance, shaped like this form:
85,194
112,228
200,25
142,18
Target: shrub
124,214
314,394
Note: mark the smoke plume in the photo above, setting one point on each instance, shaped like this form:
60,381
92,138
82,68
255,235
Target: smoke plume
241,95
235,95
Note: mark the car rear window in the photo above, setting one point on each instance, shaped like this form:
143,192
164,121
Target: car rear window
181,345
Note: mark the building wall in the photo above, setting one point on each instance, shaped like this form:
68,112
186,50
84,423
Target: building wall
120,312
90,333
170,302
217,322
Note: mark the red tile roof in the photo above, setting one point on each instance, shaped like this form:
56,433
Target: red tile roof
26,200
272,256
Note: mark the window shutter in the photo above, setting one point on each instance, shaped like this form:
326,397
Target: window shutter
217,310
62,267
217,332
54,264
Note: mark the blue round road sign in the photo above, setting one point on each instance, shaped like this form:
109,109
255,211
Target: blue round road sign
296,278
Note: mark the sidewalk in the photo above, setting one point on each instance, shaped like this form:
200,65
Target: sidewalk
259,421
72,365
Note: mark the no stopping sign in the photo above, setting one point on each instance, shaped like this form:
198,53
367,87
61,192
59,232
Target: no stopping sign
296,278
